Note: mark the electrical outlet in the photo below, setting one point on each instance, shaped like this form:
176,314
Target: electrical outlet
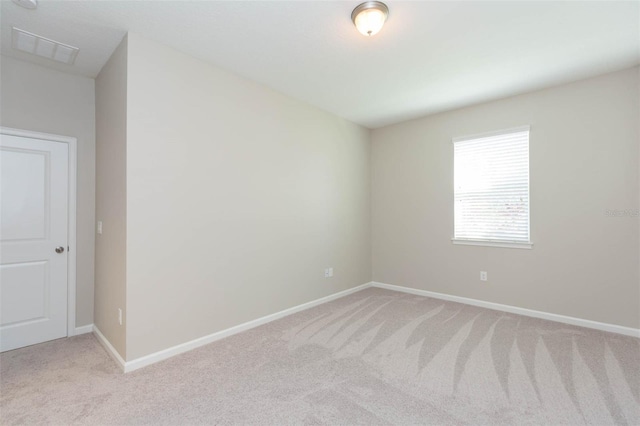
483,275
99,227
120,316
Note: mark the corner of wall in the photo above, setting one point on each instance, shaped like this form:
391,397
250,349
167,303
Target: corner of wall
111,142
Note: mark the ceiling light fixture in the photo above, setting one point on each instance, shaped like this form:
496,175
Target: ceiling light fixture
369,17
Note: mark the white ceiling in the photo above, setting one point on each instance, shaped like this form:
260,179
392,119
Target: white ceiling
431,56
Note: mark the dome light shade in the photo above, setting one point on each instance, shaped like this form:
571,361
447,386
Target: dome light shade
369,17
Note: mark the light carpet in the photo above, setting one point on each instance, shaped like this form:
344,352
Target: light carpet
373,357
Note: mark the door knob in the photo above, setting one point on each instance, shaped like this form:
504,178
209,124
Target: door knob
59,249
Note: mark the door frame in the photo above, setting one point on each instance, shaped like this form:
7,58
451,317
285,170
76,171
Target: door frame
71,233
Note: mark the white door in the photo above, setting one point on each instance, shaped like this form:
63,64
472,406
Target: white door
33,240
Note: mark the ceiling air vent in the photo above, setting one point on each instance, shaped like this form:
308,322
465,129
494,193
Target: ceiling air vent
43,47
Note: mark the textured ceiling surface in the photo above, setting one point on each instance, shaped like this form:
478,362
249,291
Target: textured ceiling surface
431,56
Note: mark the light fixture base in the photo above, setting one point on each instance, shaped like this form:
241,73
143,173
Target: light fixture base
27,4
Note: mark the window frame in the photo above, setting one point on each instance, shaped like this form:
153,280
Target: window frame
492,242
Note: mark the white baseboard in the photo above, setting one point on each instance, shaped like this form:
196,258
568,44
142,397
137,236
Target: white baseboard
205,340
146,360
627,331
113,353
83,329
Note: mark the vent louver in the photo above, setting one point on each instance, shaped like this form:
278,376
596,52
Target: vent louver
43,47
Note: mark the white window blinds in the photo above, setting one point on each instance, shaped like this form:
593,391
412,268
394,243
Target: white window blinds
491,187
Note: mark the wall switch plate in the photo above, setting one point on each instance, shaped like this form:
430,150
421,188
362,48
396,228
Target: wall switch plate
483,275
99,227
328,272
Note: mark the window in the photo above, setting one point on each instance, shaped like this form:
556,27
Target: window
491,189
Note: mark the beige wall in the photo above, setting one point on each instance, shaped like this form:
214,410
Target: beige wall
111,207
43,100
237,199
583,161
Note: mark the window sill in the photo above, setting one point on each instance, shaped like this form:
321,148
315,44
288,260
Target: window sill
493,243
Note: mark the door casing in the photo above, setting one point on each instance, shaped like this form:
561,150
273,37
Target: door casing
72,248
